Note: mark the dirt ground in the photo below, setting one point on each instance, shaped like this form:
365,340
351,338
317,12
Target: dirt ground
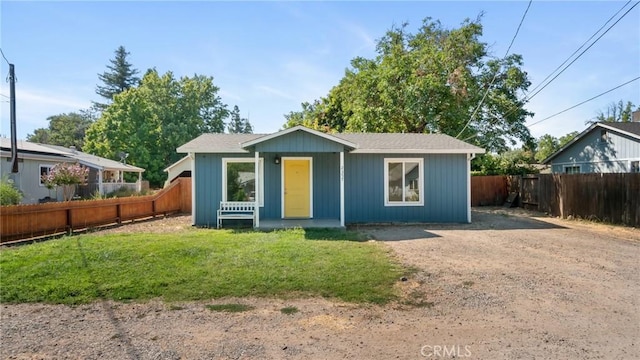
511,285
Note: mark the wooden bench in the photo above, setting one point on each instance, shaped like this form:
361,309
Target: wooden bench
237,210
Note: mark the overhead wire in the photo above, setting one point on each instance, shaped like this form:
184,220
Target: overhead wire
529,97
4,57
513,39
586,101
580,47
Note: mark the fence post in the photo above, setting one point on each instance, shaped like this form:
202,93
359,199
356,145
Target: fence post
119,213
153,207
69,222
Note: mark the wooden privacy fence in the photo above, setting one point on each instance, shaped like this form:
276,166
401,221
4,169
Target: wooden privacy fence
29,221
613,198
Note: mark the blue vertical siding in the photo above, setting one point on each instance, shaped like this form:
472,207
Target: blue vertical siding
445,190
326,185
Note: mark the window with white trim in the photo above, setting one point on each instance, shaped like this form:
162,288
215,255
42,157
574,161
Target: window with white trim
572,169
44,171
239,179
403,182
634,166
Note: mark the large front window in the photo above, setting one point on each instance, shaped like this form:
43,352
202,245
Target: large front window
403,179
239,180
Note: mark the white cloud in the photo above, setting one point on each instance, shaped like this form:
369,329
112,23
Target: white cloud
273,91
34,107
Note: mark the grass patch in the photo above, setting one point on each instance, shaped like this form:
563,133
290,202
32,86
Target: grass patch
289,310
198,265
233,308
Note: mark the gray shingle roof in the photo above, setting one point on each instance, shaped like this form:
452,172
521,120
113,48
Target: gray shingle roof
366,143
630,127
370,142
217,143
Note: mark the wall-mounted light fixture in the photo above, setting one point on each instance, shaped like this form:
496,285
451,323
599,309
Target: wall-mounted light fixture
276,160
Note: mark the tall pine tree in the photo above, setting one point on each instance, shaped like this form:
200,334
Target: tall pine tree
238,125
119,77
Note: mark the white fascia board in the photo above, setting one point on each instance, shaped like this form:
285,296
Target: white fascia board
184,159
189,150
418,151
59,158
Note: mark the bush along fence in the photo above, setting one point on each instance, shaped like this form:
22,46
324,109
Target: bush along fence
612,198
19,222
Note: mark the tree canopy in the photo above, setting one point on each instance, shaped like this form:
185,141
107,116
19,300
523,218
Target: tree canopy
64,130
119,77
616,112
150,121
237,124
429,82
547,144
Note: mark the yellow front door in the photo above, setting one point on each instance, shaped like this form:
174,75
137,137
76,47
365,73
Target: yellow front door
297,188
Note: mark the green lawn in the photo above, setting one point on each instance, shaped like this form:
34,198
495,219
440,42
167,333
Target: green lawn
198,264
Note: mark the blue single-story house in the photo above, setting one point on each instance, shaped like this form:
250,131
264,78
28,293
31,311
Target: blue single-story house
604,147
311,178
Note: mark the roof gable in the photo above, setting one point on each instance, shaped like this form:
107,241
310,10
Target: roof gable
631,129
285,132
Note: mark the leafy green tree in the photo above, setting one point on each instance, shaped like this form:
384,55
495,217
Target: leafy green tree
9,195
119,77
547,145
64,130
150,121
40,135
429,82
616,112
511,162
237,124
566,138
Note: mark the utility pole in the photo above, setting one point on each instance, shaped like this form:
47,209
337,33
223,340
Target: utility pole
12,110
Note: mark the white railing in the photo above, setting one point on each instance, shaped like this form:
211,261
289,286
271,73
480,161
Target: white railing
111,187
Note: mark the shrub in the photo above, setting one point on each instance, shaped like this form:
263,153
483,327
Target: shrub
9,195
67,176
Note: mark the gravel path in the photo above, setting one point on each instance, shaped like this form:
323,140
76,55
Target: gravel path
505,287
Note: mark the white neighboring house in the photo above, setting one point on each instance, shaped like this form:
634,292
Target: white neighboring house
35,160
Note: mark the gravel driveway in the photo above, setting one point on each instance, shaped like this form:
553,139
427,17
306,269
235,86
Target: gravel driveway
511,285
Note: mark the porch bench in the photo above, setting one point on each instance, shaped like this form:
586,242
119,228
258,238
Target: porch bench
236,210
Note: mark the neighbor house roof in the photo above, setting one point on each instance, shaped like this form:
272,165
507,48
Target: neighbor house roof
95,161
631,129
359,142
61,153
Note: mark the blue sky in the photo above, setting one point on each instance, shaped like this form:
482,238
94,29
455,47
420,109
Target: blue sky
268,57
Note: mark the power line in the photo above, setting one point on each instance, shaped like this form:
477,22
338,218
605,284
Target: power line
581,46
4,57
496,74
579,55
4,96
586,101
